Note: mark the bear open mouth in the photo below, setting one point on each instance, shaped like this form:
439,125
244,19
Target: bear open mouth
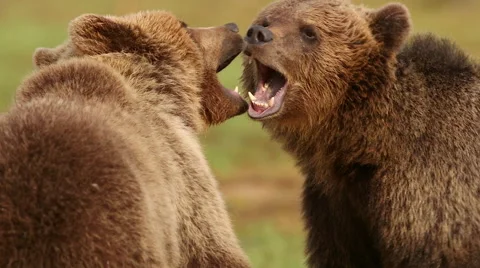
268,97
224,65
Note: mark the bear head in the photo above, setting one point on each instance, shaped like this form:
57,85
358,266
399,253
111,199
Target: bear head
304,58
194,55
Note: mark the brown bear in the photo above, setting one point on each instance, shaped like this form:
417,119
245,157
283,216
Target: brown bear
384,128
100,165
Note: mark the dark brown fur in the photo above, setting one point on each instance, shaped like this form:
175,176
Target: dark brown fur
386,132
100,165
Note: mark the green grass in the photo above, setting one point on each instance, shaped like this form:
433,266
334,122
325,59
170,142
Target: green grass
268,247
238,149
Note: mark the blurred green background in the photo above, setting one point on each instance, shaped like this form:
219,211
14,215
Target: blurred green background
259,181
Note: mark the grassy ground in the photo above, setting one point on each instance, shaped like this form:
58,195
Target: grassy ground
260,182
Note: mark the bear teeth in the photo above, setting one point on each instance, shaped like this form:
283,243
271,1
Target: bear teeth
271,102
236,89
252,98
261,104
265,87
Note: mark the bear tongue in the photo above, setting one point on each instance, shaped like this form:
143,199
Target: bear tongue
259,109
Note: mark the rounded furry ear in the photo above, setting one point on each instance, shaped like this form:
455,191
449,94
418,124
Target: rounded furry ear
44,56
390,25
95,34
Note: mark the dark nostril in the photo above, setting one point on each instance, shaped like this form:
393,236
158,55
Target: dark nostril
259,34
261,37
232,27
250,32
265,35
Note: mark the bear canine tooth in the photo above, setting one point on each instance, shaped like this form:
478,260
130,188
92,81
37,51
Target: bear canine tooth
271,102
252,98
265,87
236,89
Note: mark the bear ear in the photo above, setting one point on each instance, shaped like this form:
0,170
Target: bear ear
44,56
93,34
390,25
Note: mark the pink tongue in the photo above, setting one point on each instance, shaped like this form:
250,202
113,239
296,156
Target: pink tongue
258,109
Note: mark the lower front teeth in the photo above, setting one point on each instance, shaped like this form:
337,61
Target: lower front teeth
270,103
261,103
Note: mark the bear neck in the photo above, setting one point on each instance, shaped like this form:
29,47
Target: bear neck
357,136
121,80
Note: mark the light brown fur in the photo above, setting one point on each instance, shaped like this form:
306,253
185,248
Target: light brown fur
385,130
100,165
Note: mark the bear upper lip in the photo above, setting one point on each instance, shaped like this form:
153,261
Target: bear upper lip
227,62
234,48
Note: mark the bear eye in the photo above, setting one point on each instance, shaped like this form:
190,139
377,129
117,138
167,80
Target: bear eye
308,33
265,23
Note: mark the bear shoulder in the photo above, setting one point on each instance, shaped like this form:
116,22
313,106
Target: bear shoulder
431,55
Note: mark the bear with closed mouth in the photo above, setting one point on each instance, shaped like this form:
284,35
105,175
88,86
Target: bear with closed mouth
384,126
100,164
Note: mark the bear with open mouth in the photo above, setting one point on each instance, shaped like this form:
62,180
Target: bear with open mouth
100,164
385,129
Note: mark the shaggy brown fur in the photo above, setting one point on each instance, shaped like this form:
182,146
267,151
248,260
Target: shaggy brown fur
386,132
100,165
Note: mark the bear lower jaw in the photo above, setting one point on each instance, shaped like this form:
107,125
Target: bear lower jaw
262,109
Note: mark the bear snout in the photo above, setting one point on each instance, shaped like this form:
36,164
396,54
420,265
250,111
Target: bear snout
258,35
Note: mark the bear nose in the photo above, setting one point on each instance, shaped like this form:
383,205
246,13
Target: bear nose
258,34
232,27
